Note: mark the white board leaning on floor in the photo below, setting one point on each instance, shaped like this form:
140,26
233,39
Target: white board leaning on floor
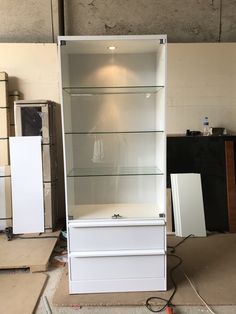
188,204
27,184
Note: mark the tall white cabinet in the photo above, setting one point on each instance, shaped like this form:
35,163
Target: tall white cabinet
113,97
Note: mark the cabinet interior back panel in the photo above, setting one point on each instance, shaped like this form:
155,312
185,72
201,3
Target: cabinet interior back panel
112,69
27,184
119,112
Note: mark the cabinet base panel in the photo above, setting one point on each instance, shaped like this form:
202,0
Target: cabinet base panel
121,285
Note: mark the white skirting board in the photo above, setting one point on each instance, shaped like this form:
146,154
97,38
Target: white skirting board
27,184
188,204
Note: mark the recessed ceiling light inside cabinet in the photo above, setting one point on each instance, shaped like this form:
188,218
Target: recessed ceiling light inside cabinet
111,48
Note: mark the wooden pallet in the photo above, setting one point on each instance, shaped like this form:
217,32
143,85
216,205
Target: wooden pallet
27,253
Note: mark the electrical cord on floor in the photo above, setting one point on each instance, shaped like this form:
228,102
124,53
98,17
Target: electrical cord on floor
172,248
168,303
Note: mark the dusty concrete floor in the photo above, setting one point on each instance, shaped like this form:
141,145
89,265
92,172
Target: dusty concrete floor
54,275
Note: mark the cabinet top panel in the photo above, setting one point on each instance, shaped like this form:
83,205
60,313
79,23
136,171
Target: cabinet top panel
104,44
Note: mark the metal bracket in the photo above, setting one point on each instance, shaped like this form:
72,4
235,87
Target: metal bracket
116,216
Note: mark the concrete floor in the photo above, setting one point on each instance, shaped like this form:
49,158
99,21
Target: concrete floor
54,275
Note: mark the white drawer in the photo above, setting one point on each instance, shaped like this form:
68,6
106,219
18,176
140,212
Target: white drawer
106,273
116,237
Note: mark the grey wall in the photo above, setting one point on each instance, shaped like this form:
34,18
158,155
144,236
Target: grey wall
28,21
181,20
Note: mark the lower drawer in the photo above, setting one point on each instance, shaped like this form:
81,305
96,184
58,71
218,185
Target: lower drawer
96,274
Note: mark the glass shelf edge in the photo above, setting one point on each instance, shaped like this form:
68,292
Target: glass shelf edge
104,172
93,91
114,175
115,132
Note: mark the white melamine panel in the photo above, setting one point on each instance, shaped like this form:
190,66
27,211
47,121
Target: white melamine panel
117,285
27,184
117,269
111,274
188,204
117,237
114,142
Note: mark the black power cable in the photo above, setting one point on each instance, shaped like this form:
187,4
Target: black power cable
168,301
172,248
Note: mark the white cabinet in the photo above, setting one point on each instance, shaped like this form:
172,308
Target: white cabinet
115,162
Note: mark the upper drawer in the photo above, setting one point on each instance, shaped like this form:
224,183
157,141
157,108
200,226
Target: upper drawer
117,236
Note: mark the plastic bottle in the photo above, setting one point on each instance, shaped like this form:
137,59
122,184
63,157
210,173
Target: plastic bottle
206,128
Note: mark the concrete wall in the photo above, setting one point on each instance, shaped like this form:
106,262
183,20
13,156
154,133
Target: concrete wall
181,20
201,82
28,21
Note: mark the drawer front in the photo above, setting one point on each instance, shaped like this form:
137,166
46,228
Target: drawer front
111,274
117,238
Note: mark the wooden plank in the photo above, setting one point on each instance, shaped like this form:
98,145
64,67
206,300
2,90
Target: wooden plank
231,184
27,253
169,220
27,184
49,164
50,202
19,293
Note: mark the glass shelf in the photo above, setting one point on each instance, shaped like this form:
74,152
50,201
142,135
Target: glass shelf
115,132
114,171
91,91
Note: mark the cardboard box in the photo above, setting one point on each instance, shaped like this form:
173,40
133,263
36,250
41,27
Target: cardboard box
3,90
4,152
4,123
5,197
12,97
